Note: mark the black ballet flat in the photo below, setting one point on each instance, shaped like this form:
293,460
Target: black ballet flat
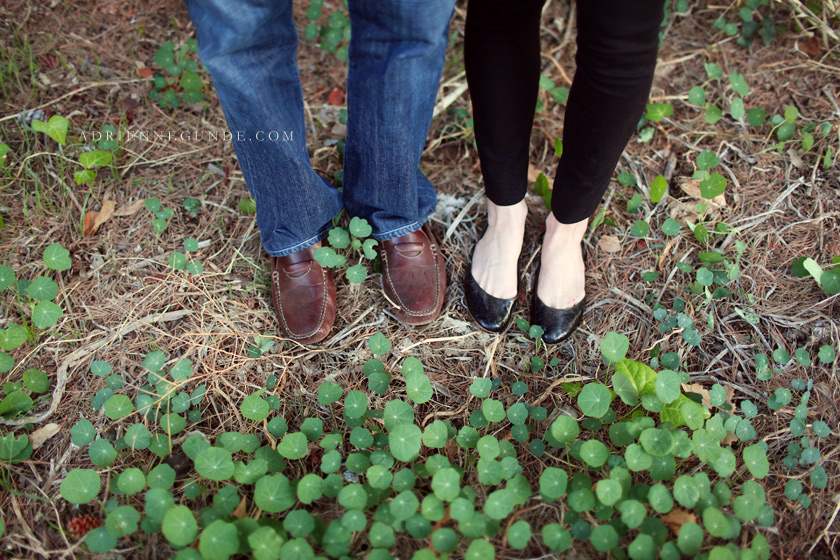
491,313
557,324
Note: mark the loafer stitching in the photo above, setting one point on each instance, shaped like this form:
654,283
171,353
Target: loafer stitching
320,317
403,307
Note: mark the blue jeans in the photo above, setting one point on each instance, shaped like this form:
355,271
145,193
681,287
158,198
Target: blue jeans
396,56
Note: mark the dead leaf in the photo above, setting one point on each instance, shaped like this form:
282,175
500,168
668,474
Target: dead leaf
811,47
609,243
676,518
94,220
336,96
132,209
88,221
145,72
242,509
42,434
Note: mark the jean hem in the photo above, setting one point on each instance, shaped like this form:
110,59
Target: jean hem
386,235
303,244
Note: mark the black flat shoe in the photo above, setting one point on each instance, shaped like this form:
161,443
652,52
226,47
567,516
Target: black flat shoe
557,324
491,313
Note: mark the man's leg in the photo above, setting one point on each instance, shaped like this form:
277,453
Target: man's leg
395,61
250,49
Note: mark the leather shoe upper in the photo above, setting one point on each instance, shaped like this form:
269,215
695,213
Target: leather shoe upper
414,276
303,296
557,324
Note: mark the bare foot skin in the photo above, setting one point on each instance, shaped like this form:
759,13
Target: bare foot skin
496,257
561,282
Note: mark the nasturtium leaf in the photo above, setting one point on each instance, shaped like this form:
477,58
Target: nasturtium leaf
122,521
356,274
690,538
102,453
100,540
353,496
80,486
293,446
172,423
214,463
329,392
57,257
218,541
519,534
82,433
565,429
755,457
118,406
658,111
614,347
355,404
481,387
637,458
42,289
686,491
12,336
739,84
493,410
697,96
594,400
404,442
826,354
45,314
556,537
480,549
553,483
594,453
657,442
633,513
7,276
379,344
418,388
604,538
446,484
667,386
499,504
660,498
265,543
254,408
608,491
715,522
274,494
131,481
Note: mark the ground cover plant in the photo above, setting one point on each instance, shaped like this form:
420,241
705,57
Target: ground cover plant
149,410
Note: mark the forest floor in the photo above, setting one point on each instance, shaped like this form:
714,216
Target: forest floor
89,61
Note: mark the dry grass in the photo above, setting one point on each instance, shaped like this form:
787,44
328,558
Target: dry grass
781,206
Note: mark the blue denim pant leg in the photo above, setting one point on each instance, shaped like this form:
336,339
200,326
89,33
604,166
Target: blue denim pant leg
250,49
396,58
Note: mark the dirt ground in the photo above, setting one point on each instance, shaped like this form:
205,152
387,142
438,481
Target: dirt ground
83,60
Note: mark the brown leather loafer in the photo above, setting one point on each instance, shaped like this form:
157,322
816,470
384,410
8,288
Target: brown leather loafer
414,276
303,296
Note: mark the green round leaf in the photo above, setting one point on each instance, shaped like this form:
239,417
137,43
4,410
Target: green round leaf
594,400
214,463
404,442
603,538
614,346
57,257
254,408
82,433
594,453
45,314
379,344
274,494
122,521
293,446
219,541
102,453
80,486
608,491
657,442
118,406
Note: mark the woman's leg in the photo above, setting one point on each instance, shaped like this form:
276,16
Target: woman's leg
502,59
617,43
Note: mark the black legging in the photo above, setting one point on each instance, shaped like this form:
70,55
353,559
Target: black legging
617,42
